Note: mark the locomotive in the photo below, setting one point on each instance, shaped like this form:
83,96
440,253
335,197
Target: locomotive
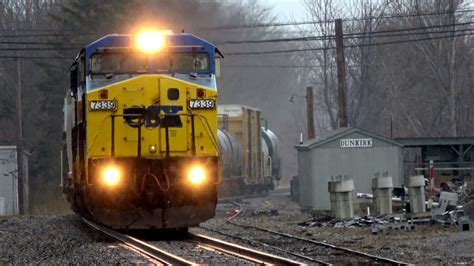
140,146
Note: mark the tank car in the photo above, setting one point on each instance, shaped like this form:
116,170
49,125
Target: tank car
249,152
272,154
140,131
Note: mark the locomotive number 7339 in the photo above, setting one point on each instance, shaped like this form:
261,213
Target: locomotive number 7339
202,104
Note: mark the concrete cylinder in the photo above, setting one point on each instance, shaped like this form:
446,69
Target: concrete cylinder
340,193
382,190
416,192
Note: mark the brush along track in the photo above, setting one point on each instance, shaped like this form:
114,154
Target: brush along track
318,251
201,241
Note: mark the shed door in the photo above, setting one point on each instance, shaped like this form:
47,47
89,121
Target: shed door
2,207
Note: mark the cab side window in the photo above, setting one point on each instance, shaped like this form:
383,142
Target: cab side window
81,70
73,73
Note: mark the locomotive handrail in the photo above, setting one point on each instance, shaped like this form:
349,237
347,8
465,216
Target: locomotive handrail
139,129
214,140
96,134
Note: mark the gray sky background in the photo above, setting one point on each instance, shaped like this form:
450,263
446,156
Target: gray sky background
286,10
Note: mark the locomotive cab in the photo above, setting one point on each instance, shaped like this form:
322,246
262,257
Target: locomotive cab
140,131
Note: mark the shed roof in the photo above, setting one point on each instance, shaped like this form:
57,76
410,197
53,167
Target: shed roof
341,132
441,141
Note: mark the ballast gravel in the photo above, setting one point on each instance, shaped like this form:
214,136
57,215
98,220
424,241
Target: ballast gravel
426,244
62,239
198,253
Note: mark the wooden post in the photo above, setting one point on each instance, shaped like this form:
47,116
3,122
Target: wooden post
19,145
341,75
309,112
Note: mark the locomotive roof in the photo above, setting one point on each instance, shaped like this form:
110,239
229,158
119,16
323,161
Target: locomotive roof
182,42
127,40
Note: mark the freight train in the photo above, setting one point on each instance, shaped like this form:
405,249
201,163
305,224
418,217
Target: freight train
140,131
250,157
145,144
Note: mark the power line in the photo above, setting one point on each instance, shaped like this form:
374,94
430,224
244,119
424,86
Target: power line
347,46
38,49
279,66
306,38
322,38
35,57
45,35
412,29
37,43
412,34
32,30
414,15
271,66
351,35
263,25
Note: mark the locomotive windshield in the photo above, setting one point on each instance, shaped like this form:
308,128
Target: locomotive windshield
136,63
189,62
117,63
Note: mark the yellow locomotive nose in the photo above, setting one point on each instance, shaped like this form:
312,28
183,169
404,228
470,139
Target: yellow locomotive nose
111,176
196,175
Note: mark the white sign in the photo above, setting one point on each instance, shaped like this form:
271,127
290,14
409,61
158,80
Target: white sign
3,212
201,104
230,110
103,105
356,143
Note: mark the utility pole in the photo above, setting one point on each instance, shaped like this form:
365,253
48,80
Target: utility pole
309,112
341,75
391,125
19,142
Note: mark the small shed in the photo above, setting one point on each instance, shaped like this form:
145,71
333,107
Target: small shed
351,152
11,195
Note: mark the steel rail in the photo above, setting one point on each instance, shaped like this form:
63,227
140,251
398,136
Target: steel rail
241,251
303,257
140,246
344,249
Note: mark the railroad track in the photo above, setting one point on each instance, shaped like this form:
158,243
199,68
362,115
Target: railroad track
203,241
139,246
315,251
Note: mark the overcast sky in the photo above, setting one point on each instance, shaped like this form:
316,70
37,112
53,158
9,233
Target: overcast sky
286,10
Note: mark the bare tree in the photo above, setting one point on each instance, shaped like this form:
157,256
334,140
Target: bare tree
423,84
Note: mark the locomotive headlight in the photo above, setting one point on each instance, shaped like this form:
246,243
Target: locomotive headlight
111,175
150,41
196,175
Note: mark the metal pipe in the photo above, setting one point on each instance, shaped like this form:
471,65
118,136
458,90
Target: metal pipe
167,142
437,163
193,136
112,149
139,148
444,168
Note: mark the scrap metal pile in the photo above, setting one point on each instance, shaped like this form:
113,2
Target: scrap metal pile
376,223
451,204
455,204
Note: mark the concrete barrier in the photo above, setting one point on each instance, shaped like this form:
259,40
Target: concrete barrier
416,191
340,193
382,191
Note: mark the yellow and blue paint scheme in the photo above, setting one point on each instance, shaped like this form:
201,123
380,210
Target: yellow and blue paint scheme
145,91
152,125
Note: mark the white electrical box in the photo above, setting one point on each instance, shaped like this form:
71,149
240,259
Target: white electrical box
2,207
